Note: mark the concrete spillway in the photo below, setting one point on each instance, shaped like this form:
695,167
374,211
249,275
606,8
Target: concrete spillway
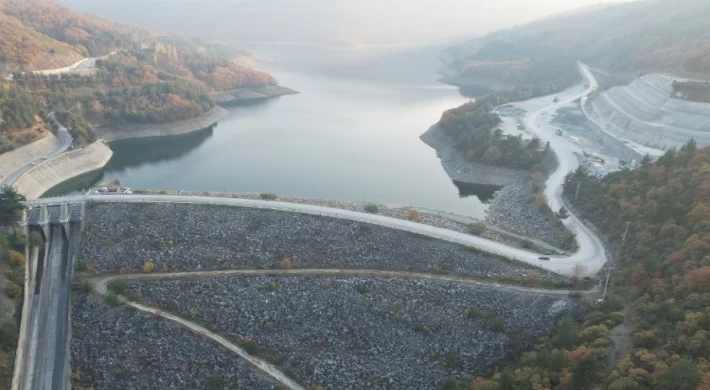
44,339
647,112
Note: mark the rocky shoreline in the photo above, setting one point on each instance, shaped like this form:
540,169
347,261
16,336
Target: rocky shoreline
120,132
461,170
251,95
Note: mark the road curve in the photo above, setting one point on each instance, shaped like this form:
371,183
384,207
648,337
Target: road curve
65,141
100,285
560,265
591,255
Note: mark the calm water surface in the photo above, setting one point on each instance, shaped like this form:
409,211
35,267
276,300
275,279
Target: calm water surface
351,134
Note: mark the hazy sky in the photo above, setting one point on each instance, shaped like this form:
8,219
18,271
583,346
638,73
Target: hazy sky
329,21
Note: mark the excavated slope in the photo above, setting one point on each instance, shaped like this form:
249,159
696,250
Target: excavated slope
647,112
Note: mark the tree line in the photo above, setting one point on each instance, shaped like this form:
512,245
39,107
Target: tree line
473,127
660,278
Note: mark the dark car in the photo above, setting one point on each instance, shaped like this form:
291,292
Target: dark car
543,258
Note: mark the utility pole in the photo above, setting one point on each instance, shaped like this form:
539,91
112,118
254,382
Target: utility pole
608,275
577,192
623,238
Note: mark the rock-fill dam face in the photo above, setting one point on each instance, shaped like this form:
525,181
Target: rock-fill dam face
649,111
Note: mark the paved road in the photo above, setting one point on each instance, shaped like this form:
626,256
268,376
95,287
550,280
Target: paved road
591,253
562,265
65,141
589,260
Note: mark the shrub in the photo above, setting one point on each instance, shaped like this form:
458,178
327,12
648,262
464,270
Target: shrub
527,244
498,324
271,286
16,259
533,278
477,228
13,290
268,196
148,267
361,288
576,294
112,299
414,215
372,208
8,336
450,384
81,286
250,346
452,360
475,312
286,263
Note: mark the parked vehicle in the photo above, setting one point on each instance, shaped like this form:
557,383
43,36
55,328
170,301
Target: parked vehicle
543,258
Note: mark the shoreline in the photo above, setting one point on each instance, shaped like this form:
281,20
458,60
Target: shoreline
239,96
458,169
127,131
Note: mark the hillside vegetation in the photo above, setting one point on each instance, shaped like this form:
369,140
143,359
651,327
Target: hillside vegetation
660,285
640,36
472,127
143,76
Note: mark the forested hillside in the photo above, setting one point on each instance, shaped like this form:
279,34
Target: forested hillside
143,76
640,36
660,286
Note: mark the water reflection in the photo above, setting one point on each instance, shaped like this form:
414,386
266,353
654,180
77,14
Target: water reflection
484,192
132,153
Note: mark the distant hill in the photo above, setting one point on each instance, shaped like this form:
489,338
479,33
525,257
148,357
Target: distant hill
628,38
142,76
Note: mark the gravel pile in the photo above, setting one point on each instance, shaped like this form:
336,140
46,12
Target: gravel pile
359,333
115,348
512,210
182,237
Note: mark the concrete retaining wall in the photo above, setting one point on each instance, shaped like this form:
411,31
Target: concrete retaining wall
15,159
48,174
115,133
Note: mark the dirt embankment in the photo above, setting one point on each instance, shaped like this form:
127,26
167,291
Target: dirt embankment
459,169
251,95
126,131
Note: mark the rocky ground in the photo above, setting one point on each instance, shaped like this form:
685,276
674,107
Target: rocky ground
428,217
184,237
359,333
117,348
511,209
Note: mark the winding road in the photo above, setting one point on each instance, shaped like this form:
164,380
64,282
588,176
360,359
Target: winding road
65,142
587,261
